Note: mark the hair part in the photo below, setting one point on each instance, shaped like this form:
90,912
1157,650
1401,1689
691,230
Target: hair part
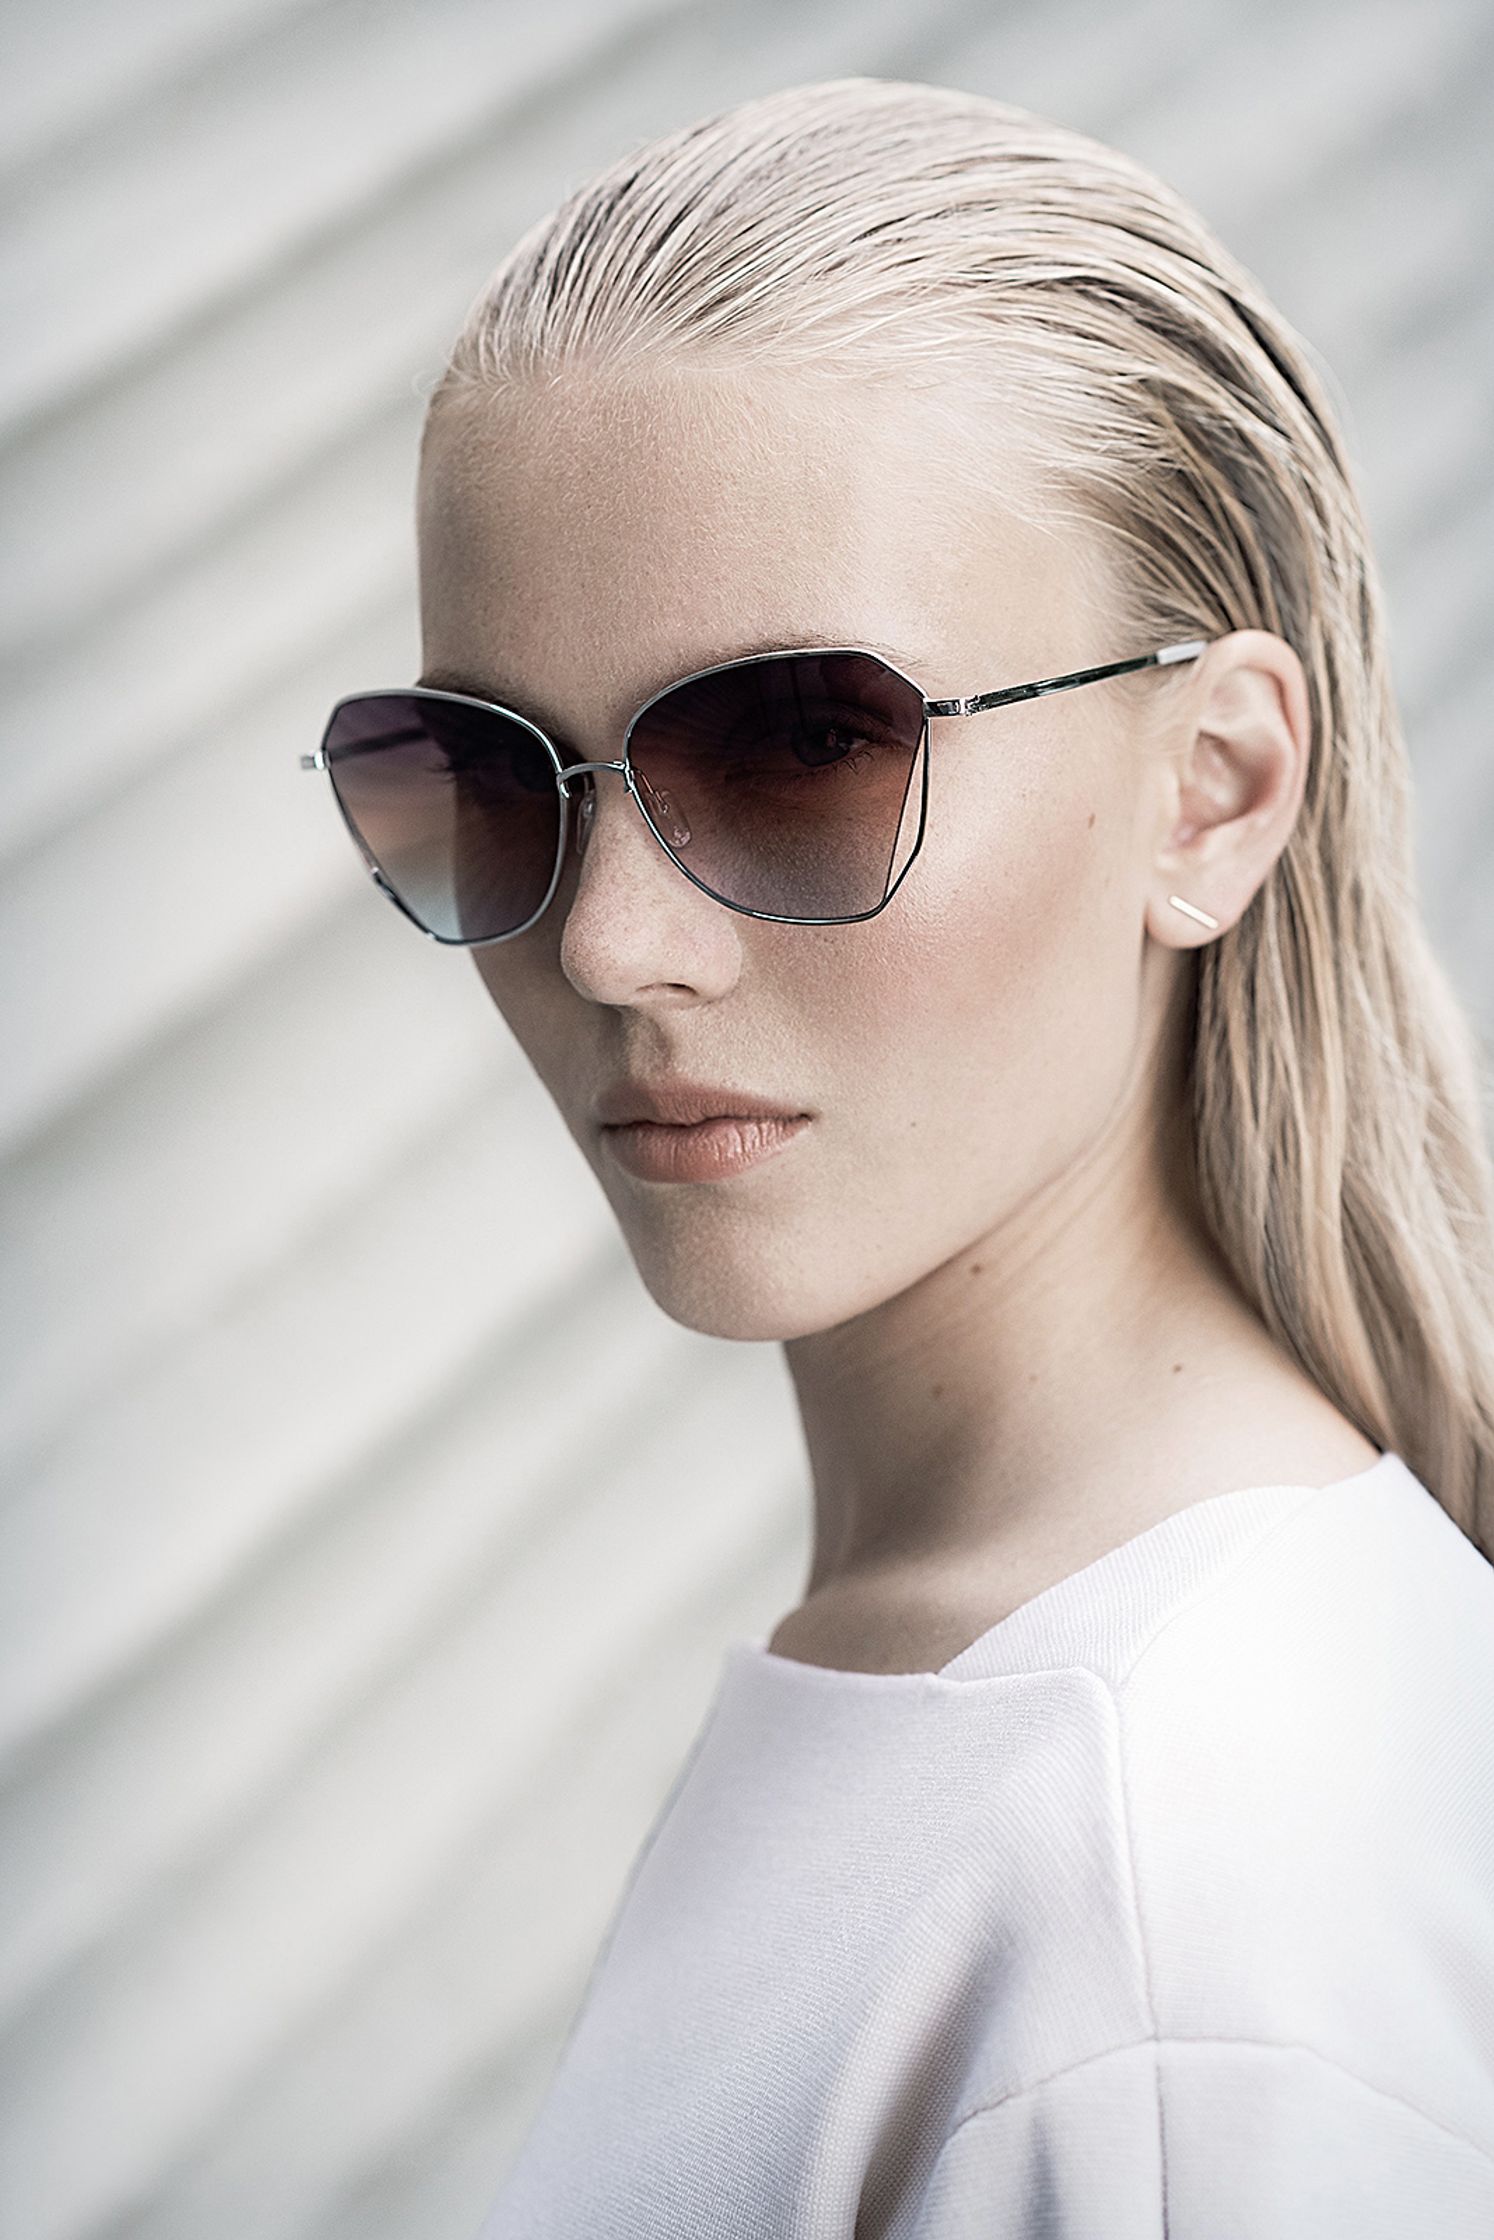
870,229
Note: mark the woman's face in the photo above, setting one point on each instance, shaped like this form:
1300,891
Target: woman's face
961,1054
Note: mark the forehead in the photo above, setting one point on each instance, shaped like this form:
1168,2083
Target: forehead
631,529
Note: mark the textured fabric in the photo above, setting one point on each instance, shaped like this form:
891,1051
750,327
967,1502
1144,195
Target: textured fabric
1165,1908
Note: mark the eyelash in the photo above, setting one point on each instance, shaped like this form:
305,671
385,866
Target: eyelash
838,768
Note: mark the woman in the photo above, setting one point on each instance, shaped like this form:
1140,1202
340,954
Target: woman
998,977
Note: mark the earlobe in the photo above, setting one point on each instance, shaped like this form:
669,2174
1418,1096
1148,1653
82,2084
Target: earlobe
1192,910
1164,924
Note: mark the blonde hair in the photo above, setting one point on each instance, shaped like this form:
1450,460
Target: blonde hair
863,227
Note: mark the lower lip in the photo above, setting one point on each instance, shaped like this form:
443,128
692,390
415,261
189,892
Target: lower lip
706,1151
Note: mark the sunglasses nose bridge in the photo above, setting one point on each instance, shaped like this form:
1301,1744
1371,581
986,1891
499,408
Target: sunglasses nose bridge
574,770
586,807
663,816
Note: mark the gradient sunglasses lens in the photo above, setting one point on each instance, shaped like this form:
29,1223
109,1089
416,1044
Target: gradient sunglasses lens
454,805
784,783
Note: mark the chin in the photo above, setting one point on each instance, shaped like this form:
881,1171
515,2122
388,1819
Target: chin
725,1285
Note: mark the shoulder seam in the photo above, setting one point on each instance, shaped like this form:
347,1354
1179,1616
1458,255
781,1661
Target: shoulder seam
1117,1686
1261,2045
1118,1692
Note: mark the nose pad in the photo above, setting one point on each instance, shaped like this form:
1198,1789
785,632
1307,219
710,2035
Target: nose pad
670,819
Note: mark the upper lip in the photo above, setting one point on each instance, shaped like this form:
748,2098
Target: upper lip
678,1103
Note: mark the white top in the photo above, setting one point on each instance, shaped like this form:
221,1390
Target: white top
1166,1908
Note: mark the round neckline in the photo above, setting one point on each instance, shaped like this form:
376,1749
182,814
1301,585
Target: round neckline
752,1649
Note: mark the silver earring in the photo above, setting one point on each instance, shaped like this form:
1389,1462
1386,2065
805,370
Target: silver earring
1193,911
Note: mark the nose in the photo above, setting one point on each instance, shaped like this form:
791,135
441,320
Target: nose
635,926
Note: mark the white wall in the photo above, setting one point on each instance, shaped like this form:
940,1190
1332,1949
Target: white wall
328,1391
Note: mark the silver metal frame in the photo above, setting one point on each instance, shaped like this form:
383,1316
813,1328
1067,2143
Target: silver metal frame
977,704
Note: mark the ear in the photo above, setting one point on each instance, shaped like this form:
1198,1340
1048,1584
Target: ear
1232,767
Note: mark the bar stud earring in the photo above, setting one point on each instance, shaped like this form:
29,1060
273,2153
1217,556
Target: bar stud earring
1193,911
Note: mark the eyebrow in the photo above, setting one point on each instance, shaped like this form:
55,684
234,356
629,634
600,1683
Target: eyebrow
485,688
494,688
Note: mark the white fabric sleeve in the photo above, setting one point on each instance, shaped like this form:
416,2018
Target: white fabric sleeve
1207,2139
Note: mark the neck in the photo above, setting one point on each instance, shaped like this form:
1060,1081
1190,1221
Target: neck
1082,1367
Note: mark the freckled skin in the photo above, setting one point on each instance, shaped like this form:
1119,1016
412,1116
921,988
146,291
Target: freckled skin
991,1062
1007,942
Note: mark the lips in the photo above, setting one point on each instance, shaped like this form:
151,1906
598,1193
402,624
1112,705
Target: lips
705,1151
682,1104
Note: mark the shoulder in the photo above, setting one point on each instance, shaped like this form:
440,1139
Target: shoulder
1306,1755
1340,1671
1264,1815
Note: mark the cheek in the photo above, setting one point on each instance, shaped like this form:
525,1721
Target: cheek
528,989
995,1001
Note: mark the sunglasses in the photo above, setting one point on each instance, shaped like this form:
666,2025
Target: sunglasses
791,786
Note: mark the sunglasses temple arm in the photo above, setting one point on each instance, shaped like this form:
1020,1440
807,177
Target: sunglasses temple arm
1188,651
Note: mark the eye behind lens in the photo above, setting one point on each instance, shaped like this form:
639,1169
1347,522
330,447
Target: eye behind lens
791,774
456,807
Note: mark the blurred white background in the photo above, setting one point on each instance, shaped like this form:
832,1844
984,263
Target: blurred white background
368,1540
